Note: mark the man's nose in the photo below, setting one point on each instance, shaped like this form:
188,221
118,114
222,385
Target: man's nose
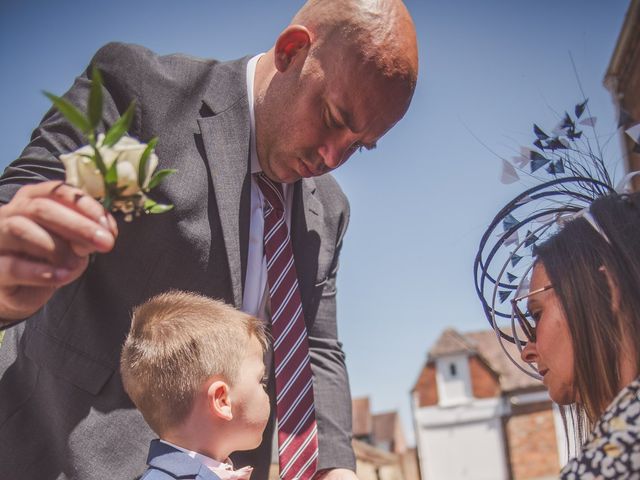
336,151
529,353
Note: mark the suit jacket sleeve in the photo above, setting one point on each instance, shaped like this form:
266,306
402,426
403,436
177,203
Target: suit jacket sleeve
331,382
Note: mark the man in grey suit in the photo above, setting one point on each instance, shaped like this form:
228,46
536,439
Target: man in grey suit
338,77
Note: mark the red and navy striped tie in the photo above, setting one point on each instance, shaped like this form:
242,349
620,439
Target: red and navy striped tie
297,431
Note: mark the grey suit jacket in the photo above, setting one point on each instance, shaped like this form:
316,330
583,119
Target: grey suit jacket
59,370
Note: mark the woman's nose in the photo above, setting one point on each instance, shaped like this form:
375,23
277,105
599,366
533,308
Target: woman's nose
529,353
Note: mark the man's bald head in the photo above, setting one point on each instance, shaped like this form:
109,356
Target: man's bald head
337,79
381,32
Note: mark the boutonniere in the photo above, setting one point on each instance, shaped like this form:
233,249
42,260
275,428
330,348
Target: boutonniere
114,168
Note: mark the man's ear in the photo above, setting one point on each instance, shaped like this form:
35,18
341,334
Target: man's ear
294,40
613,288
219,400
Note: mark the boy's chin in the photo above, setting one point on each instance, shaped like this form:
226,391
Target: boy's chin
249,445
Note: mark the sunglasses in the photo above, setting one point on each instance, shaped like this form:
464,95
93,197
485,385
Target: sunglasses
526,325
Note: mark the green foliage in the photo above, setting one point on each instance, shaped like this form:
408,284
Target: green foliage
88,125
95,99
71,113
120,127
142,167
159,176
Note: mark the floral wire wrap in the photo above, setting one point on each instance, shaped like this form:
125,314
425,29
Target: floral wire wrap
507,250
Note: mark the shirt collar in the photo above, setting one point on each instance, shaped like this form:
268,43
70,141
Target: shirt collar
207,461
251,74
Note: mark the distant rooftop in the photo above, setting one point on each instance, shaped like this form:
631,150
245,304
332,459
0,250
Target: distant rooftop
484,344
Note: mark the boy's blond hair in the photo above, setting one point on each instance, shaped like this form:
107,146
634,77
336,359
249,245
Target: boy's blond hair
178,340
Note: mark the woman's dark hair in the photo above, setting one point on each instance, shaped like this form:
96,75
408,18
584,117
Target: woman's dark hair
581,265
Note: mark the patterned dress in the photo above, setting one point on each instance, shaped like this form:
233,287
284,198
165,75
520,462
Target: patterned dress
613,449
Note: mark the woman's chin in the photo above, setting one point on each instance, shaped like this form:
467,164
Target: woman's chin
562,397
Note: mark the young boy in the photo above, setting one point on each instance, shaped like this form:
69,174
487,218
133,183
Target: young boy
194,367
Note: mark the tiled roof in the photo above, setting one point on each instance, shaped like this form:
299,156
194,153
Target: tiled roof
384,426
449,343
484,344
488,346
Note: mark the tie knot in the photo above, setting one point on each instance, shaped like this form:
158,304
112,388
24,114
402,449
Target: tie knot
272,191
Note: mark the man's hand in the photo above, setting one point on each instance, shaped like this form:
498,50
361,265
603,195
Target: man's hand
47,232
336,474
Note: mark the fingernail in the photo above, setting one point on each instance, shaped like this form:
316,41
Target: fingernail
103,239
61,273
48,275
113,225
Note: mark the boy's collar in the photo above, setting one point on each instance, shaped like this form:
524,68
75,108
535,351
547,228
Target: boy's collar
224,470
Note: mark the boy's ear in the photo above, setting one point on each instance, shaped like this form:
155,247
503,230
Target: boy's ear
294,40
219,400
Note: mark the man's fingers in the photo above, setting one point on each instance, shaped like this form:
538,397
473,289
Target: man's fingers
72,198
17,271
20,302
70,225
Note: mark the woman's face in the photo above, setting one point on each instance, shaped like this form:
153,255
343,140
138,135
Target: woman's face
552,352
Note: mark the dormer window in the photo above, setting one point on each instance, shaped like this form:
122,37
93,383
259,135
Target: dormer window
453,379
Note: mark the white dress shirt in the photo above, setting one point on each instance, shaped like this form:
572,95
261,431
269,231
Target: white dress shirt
255,298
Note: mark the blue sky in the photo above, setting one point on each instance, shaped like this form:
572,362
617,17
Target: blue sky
421,200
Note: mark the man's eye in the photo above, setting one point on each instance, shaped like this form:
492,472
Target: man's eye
359,146
329,121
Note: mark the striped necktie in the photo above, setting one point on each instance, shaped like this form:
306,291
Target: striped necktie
297,432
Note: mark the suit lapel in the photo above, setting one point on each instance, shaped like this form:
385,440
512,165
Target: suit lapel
307,218
226,137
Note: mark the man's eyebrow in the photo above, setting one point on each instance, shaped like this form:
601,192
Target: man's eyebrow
346,118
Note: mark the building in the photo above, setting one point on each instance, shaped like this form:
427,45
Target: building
623,81
380,445
477,416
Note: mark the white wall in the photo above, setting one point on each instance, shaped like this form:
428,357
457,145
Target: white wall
561,438
463,442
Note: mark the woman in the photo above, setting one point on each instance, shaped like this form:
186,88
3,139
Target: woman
574,309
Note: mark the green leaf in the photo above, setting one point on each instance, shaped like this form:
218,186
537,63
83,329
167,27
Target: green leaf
159,208
107,201
95,98
148,203
111,177
97,158
70,112
142,167
120,127
159,177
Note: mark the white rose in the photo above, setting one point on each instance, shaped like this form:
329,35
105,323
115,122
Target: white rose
82,172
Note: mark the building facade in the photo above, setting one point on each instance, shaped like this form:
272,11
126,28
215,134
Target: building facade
478,417
623,81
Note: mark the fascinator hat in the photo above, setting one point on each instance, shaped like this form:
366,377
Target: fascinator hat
569,173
